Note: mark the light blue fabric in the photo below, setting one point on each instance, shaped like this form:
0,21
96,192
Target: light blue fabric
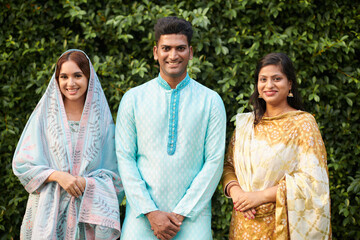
47,145
157,176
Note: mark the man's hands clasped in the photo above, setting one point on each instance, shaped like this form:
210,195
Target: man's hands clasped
165,225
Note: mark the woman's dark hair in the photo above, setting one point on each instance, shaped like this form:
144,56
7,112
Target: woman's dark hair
173,25
287,68
79,58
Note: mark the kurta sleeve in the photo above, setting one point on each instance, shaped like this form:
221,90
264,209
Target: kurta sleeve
307,187
204,184
229,170
126,152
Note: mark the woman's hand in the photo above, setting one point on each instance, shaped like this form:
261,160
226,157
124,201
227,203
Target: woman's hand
249,200
236,194
244,201
74,185
249,214
82,182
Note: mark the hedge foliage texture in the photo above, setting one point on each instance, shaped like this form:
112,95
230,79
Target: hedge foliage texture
321,37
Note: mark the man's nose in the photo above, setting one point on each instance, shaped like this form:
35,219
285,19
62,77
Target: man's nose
173,54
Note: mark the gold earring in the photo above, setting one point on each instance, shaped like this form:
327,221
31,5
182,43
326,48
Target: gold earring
290,94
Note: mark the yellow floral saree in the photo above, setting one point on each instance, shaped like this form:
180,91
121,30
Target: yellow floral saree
286,150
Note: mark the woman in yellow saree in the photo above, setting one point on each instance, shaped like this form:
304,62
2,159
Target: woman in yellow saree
275,170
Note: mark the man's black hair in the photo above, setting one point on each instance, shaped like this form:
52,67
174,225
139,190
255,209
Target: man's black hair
173,25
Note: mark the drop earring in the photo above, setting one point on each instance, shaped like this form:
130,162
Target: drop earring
290,94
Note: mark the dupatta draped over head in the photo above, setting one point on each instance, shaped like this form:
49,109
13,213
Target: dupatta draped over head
45,146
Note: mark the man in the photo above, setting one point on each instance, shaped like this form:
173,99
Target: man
170,138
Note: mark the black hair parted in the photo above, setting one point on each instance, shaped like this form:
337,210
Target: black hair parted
173,25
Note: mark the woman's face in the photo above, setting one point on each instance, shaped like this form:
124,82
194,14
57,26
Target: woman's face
72,82
273,86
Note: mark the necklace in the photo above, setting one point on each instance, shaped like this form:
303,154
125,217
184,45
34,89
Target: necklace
280,113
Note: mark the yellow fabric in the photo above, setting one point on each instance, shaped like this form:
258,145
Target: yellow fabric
258,228
288,151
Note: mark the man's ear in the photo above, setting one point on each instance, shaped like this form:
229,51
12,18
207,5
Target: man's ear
191,53
155,53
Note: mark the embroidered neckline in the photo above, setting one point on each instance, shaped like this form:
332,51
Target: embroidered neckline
174,110
286,114
180,86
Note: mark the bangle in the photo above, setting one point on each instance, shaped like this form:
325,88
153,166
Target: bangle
232,184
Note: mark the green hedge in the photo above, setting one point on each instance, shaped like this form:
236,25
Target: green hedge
321,37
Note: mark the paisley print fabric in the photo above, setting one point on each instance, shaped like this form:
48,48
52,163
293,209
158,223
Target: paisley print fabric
46,145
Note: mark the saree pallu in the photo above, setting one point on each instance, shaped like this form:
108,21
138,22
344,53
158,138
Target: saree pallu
288,151
45,146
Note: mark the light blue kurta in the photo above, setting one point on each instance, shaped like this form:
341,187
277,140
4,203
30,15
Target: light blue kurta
170,149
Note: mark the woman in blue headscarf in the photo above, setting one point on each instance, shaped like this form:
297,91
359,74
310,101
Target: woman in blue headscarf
66,158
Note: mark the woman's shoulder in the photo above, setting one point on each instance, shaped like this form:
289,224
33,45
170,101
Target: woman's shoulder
244,115
245,119
304,116
305,122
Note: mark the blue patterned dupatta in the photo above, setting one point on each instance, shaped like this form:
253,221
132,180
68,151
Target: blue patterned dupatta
45,146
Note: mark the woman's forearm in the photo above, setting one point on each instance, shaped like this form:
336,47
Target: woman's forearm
53,177
269,194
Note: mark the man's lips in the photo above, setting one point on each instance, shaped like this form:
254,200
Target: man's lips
173,63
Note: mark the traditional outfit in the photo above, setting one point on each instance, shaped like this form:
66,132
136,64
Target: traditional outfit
50,142
170,148
286,150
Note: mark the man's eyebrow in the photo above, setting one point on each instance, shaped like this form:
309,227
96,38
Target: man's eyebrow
181,45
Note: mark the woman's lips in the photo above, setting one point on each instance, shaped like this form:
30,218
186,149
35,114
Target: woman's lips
270,93
72,91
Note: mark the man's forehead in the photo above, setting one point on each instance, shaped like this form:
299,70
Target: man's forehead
173,39
170,45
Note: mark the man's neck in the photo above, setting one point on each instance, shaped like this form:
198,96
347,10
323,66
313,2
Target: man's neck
173,82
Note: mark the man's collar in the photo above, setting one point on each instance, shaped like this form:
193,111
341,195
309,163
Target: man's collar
180,86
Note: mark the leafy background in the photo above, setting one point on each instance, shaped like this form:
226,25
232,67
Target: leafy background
321,37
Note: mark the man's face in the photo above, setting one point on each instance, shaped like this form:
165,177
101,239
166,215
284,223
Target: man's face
173,53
